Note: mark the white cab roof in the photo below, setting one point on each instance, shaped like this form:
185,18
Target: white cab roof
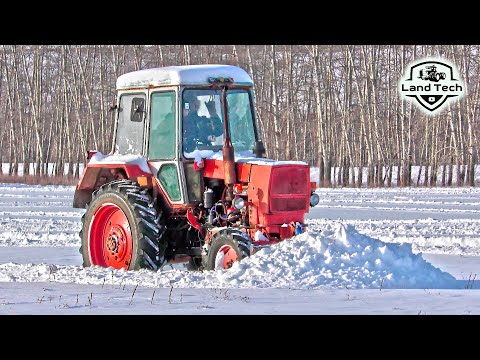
181,75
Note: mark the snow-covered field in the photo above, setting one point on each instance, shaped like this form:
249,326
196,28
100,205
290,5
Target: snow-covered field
367,251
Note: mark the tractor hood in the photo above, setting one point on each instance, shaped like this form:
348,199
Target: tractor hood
278,190
213,163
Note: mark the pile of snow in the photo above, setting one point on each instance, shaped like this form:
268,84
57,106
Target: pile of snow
336,257
339,257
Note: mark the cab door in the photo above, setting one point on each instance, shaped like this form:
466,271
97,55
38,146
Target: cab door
162,143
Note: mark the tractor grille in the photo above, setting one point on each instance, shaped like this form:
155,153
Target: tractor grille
295,204
289,188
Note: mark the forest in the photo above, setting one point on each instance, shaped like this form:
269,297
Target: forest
332,106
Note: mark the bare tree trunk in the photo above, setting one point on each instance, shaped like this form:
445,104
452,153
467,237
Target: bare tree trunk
34,101
186,54
469,114
87,90
274,107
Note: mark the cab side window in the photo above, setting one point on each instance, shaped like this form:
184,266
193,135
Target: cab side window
131,124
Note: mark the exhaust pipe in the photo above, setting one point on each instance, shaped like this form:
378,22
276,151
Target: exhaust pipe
230,175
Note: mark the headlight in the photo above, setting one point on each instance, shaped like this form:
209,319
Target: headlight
314,199
238,203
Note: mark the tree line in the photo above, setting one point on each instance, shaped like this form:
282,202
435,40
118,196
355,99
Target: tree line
333,106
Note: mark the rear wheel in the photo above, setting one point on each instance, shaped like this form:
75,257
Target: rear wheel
225,250
122,229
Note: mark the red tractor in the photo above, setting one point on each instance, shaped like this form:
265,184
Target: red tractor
187,179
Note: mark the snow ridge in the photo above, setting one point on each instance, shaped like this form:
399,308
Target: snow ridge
337,257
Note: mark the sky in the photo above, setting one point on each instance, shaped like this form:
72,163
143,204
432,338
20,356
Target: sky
405,251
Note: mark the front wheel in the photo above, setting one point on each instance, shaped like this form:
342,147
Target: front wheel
225,250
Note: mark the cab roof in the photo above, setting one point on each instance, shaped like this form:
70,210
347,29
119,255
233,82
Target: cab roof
182,75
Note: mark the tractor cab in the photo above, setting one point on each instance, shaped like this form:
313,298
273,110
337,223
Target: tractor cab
177,116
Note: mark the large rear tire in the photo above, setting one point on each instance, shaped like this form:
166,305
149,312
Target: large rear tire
226,248
121,228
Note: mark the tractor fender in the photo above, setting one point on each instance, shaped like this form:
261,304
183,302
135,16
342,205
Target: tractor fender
100,173
228,231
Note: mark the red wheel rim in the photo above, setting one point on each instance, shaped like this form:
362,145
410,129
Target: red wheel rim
225,257
110,238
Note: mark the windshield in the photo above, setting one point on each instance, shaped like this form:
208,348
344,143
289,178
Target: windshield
203,120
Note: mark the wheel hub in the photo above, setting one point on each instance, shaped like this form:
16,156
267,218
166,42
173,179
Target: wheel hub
111,238
115,243
112,244
225,258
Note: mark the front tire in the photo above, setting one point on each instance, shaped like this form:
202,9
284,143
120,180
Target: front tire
122,229
225,250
